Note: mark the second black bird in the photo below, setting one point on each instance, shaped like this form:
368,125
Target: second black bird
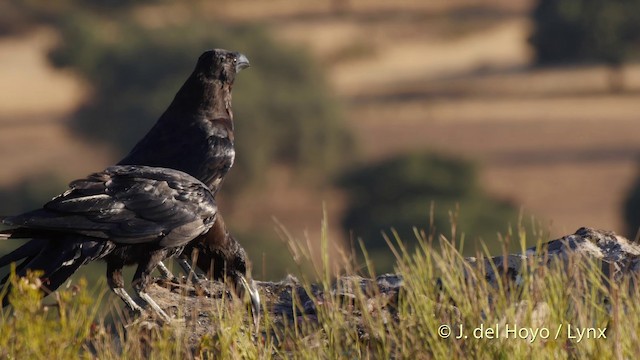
125,215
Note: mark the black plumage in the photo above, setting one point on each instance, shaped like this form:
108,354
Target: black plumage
218,254
194,135
125,215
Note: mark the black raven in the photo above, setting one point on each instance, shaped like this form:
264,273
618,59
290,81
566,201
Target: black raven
126,215
196,135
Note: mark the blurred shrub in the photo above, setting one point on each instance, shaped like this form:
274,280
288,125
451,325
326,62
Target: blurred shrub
56,332
398,193
569,31
283,109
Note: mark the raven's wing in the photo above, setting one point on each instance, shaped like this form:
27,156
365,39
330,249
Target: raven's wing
129,204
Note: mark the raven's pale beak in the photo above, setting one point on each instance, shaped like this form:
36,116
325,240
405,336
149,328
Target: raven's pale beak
241,62
255,299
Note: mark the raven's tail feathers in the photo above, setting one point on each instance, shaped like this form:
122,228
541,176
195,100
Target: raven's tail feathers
30,249
57,260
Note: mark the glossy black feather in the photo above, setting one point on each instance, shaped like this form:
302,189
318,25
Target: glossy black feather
195,133
124,214
129,204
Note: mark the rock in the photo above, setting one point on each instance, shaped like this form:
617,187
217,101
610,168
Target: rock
288,299
618,256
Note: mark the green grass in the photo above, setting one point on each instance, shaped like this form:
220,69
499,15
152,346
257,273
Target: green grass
548,302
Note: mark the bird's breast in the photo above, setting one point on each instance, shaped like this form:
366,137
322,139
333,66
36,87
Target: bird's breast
221,157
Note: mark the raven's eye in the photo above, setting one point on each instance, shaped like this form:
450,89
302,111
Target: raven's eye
235,60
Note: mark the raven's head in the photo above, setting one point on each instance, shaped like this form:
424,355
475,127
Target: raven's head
220,64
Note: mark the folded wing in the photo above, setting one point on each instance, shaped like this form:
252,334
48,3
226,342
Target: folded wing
129,205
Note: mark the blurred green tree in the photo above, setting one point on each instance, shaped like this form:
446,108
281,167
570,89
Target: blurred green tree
397,193
570,31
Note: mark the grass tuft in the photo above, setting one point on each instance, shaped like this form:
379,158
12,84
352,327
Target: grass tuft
551,309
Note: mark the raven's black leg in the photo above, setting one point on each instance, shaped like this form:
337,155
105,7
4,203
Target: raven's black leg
195,275
116,283
190,270
141,280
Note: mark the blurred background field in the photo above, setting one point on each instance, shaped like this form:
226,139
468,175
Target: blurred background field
377,111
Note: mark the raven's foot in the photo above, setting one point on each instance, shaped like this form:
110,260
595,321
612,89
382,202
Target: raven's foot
155,307
131,304
137,309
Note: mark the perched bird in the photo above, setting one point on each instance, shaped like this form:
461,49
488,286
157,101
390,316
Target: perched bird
126,215
194,135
